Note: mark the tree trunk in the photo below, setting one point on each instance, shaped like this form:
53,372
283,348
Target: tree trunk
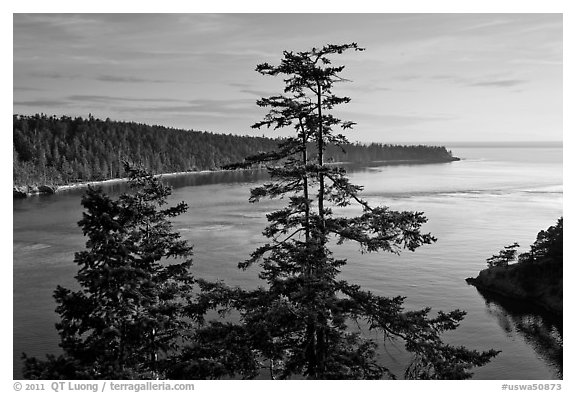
320,160
305,186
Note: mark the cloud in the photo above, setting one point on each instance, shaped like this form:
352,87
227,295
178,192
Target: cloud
257,93
206,107
404,120
487,24
223,106
103,98
26,88
209,23
395,120
438,77
500,83
43,103
538,62
487,81
128,79
407,78
367,88
53,75
100,78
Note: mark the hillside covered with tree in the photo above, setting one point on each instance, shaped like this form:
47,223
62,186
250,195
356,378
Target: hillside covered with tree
62,150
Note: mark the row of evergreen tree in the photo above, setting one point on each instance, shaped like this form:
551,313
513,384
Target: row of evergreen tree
61,150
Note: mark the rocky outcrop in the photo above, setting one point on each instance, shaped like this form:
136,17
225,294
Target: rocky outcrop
26,191
45,189
539,283
537,277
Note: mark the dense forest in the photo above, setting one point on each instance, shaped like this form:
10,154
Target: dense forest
61,150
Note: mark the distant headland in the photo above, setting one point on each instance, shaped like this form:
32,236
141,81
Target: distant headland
52,153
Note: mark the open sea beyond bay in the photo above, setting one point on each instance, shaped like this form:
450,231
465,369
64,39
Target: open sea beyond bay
491,198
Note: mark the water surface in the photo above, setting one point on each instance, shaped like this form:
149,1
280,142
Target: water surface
492,198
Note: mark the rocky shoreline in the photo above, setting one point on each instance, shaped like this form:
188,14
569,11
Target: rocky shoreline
31,190
24,191
537,276
543,290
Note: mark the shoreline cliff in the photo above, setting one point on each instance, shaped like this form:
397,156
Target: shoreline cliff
536,278
545,292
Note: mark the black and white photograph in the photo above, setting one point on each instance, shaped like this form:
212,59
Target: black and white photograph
287,196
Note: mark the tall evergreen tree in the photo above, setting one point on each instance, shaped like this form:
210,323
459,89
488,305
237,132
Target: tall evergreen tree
298,325
128,318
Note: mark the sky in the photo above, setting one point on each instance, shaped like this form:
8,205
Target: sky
422,78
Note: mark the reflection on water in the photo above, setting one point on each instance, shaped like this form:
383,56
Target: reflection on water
218,177
540,329
176,180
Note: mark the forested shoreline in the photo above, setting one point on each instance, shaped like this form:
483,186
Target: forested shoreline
534,276
53,151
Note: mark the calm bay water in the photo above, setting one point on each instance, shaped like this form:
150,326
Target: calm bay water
490,199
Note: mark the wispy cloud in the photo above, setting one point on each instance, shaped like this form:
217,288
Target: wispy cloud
538,62
209,23
435,78
368,88
247,88
104,99
207,107
403,120
482,25
26,88
408,78
41,103
398,120
257,93
500,83
100,78
52,75
128,79
486,81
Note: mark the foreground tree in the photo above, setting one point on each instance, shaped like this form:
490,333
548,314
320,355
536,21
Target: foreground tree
128,319
299,324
